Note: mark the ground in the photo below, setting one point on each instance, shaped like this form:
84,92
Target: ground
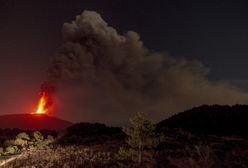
180,150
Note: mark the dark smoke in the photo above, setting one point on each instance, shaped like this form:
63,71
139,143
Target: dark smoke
105,76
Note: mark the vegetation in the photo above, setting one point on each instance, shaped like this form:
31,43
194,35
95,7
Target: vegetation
23,142
1,151
179,150
140,145
142,140
64,157
90,134
10,134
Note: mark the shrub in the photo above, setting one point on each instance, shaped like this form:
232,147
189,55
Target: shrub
1,151
23,135
38,136
50,139
11,150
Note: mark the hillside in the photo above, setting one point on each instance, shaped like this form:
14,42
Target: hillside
33,122
214,119
91,133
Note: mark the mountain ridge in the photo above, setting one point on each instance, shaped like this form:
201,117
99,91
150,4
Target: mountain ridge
211,119
33,121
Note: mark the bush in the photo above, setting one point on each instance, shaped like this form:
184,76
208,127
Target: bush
11,150
38,136
1,151
23,135
50,139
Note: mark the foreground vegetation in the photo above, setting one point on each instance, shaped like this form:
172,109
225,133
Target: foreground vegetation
23,142
216,153
63,157
141,145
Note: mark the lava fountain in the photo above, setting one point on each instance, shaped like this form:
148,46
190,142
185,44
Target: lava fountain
45,102
42,104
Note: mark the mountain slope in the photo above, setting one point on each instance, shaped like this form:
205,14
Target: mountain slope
215,119
33,122
92,133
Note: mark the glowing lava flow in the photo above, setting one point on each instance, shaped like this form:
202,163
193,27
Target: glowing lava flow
42,104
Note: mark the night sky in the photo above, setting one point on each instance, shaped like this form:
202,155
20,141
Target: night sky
212,32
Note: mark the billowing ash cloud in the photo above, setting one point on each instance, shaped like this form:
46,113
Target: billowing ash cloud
107,76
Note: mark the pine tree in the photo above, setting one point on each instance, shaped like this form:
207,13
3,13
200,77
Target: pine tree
142,139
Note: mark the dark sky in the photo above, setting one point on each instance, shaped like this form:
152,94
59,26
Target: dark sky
213,32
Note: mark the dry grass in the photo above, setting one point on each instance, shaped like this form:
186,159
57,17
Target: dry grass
73,156
62,157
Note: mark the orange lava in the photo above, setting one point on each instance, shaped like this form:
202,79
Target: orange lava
42,104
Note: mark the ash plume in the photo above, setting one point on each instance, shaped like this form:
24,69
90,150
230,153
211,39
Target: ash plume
106,76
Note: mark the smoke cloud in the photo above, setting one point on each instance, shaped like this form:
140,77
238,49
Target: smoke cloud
105,76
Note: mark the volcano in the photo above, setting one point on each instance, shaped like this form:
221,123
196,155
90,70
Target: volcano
33,122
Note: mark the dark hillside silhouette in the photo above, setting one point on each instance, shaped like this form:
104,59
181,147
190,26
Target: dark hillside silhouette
211,119
89,133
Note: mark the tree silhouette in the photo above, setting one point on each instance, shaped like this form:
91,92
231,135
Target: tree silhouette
142,140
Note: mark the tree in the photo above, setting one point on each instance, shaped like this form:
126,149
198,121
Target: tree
142,140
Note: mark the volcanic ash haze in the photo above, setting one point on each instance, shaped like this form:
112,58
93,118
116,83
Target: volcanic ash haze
106,76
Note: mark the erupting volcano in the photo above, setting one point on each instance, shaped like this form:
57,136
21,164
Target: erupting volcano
42,104
39,119
45,102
